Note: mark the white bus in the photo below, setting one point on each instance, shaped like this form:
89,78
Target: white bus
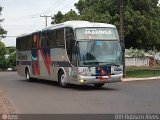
73,52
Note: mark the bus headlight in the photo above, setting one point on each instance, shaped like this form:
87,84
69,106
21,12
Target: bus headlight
81,81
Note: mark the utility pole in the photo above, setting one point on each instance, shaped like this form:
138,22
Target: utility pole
45,18
122,35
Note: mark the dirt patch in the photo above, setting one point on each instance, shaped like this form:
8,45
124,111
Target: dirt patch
5,105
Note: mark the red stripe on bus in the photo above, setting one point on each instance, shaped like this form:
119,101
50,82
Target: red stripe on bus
47,61
103,72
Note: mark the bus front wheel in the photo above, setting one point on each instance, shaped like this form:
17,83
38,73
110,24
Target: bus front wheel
62,79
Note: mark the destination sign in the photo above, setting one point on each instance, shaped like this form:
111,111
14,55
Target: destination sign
97,33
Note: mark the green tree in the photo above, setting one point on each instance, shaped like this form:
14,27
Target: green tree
57,18
71,15
2,57
142,24
2,31
2,46
11,60
11,49
142,19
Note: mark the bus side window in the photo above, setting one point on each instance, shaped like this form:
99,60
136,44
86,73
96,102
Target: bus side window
29,42
69,37
70,46
18,43
60,37
23,44
52,38
44,39
34,40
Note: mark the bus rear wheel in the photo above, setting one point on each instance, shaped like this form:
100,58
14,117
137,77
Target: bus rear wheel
62,79
98,85
27,73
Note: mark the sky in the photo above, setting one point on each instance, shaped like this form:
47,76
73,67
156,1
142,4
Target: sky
23,16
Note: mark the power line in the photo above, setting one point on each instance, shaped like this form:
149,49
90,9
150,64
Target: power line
59,9
8,36
40,24
64,6
33,24
53,6
49,9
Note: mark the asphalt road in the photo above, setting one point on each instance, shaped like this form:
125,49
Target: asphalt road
47,97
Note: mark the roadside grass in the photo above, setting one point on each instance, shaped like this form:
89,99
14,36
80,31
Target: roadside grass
142,72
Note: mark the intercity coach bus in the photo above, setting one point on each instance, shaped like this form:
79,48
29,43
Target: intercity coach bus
73,52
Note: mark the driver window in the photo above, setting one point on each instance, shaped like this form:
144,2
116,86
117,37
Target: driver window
70,46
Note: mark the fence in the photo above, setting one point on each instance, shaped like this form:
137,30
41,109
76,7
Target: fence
142,61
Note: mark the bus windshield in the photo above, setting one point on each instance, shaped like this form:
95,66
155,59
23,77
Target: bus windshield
99,52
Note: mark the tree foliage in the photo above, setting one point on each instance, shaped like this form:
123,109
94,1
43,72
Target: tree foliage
2,53
135,52
2,46
59,17
11,49
2,31
142,19
11,60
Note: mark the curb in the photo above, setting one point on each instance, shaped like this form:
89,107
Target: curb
140,79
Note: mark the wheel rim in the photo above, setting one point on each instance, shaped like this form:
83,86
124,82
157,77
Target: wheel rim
63,80
27,75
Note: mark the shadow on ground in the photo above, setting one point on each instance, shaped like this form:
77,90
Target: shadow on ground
71,86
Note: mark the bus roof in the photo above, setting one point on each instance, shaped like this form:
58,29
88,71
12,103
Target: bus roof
27,34
79,24
73,24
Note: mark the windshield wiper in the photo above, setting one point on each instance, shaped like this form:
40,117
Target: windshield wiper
98,63
111,64
93,62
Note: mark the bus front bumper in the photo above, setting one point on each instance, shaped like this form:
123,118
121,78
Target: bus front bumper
99,79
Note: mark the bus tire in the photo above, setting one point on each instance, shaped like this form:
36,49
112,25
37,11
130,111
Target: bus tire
98,85
27,74
62,79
